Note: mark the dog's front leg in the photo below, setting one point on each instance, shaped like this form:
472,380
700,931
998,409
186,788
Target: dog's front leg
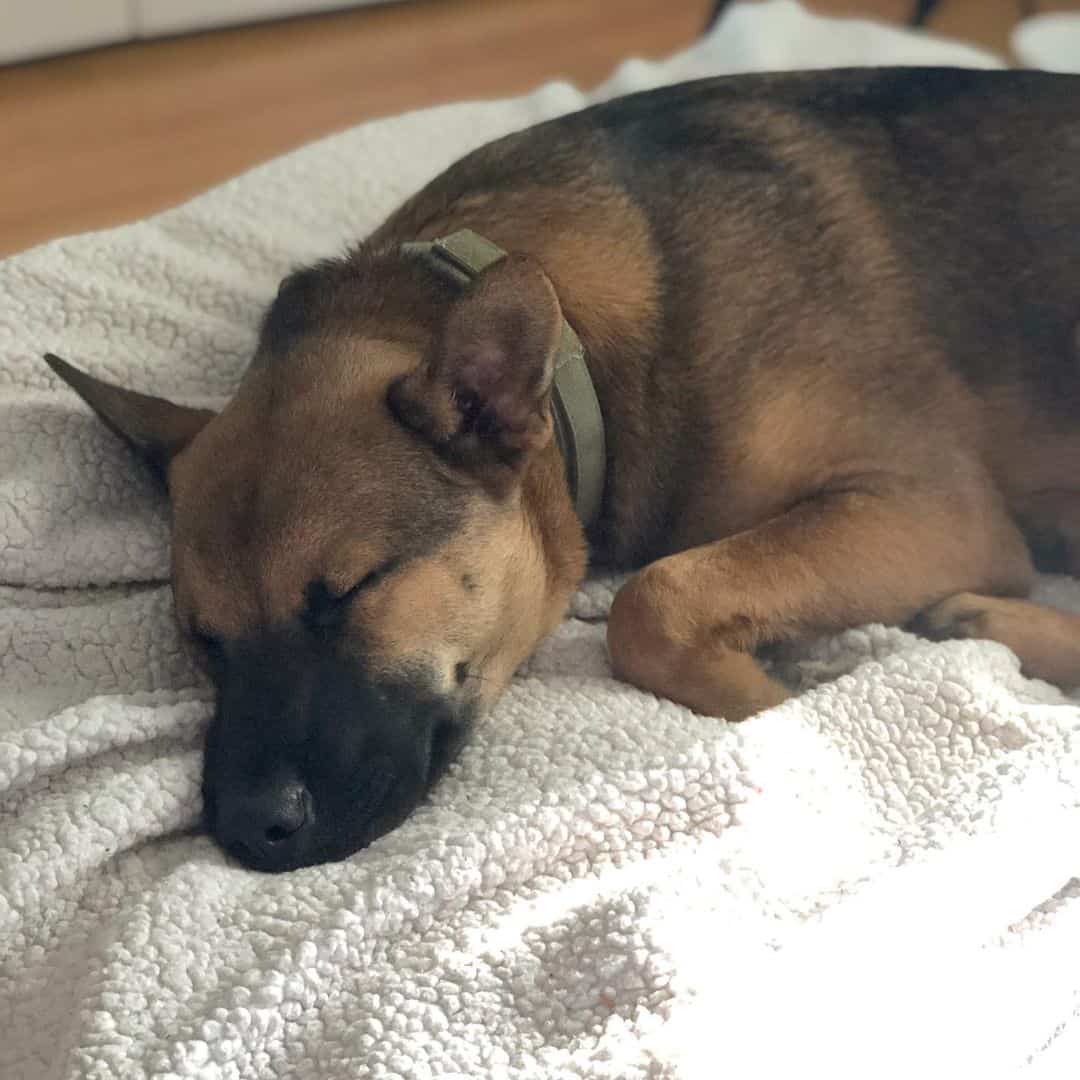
686,627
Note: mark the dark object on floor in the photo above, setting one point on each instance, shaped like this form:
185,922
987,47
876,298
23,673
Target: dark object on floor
923,10
718,9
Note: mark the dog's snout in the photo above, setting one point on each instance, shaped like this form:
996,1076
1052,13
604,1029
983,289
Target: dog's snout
268,826
313,769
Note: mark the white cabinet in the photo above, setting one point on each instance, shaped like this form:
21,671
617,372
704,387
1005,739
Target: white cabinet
38,27
32,28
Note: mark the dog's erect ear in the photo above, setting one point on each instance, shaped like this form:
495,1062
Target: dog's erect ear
154,428
483,397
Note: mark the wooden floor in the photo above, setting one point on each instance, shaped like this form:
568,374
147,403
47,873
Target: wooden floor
106,136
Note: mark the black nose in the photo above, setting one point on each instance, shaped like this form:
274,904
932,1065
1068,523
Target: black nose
268,826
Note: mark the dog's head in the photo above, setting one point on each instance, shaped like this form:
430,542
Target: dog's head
367,541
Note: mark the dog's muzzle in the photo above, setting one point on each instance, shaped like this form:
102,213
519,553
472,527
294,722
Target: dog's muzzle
309,762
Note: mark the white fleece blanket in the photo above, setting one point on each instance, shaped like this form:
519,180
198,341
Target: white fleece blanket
875,879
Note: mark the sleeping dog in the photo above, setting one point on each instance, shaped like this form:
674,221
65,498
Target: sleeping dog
801,349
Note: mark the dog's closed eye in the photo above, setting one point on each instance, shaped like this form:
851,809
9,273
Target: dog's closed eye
370,580
325,606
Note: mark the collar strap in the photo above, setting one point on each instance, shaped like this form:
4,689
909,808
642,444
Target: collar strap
579,424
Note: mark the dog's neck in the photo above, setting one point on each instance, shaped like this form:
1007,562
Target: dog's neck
578,422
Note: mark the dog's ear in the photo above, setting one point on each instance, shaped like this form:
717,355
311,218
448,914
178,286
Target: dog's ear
483,397
154,428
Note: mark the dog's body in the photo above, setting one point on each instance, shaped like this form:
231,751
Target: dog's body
831,319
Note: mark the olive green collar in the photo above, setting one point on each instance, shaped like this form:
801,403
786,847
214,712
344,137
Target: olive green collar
579,424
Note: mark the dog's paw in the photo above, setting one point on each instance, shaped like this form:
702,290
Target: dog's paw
965,615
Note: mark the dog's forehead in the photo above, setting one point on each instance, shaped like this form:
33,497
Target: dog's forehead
308,477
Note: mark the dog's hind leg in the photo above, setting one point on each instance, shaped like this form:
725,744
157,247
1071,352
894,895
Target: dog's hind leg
686,627
1045,640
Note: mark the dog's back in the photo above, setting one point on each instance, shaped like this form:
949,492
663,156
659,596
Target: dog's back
970,177
752,258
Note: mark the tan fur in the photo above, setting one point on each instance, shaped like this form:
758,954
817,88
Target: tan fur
605,286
